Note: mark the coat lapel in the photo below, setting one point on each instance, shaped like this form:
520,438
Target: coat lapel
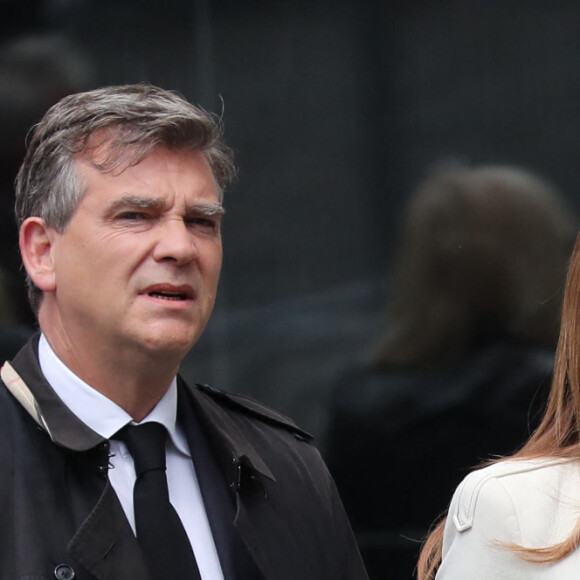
105,544
248,475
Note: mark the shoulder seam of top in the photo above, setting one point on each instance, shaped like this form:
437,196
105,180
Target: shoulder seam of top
470,488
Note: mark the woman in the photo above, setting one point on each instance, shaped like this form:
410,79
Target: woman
520,517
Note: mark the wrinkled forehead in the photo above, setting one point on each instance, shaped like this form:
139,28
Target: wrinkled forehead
182,173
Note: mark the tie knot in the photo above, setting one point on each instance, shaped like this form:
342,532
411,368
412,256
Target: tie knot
146,444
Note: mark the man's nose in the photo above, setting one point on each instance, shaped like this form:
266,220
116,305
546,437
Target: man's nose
175,242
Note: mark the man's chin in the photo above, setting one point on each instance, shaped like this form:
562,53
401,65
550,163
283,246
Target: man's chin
169,346
165,340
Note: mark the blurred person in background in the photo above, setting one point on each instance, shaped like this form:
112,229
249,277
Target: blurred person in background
462,368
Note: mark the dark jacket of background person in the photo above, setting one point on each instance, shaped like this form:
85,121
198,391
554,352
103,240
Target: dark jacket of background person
268,498
464,366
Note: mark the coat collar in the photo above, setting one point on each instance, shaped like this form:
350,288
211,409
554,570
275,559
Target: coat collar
233,449
25,380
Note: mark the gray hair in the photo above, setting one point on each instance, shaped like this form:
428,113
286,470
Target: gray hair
126,123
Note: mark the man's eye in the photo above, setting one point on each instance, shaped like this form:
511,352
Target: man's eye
132,215
203,223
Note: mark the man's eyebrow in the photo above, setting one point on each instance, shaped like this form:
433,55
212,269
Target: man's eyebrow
137,201
209,209
159,203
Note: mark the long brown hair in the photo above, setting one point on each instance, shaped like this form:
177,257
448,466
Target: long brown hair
558,435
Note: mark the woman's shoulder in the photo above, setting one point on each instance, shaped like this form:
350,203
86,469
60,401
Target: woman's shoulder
520,483
532,503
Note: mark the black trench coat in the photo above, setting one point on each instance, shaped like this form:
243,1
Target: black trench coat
275,513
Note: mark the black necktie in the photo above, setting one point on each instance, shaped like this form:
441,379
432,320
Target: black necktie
160,532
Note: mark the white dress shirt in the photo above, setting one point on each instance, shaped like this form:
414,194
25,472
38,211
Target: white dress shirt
105,417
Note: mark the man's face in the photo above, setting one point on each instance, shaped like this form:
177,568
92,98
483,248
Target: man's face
138,264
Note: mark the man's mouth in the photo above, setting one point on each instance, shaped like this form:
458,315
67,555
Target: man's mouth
170,292
169,295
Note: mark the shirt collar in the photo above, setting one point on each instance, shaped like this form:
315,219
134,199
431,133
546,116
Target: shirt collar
99,412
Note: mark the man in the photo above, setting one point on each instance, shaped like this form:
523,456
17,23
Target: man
119,202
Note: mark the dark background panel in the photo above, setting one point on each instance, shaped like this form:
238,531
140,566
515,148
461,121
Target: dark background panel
336,111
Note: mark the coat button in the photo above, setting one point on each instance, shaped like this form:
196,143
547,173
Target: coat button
64,572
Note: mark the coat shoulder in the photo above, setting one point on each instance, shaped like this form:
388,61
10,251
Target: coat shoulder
254,409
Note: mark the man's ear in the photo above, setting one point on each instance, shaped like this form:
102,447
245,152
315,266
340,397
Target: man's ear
36,249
